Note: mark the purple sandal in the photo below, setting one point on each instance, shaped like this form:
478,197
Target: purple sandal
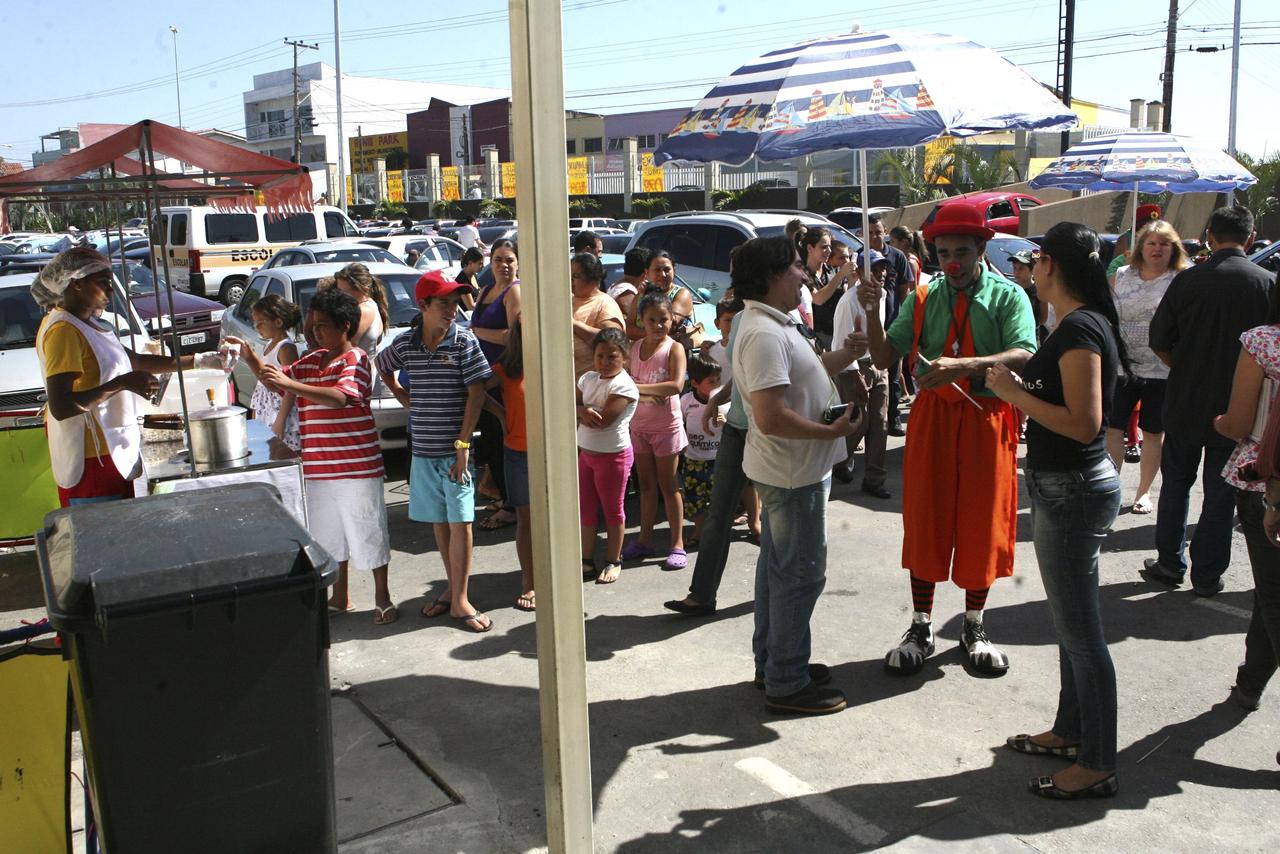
677,559
635,550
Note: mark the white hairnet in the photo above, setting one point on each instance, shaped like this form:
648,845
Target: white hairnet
75,263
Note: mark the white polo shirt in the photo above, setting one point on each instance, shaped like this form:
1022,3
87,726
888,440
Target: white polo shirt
769,351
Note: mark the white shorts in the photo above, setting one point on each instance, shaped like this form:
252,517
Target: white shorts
348,517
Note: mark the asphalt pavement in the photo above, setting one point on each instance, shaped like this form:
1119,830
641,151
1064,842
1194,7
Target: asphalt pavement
438,746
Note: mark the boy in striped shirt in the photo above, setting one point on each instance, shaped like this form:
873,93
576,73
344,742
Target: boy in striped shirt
447,373
341,459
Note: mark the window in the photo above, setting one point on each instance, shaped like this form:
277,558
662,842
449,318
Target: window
645,140
291,229
615,143
244,309
336,225
231,228
726,239
1000,210
570,146
283,259
1026,203
178,236
592,145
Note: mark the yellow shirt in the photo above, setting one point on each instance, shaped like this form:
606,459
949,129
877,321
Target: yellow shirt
66,352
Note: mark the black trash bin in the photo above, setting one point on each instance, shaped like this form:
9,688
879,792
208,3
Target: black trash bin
197,632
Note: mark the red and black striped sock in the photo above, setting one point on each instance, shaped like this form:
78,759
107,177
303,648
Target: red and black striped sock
922,595
976,600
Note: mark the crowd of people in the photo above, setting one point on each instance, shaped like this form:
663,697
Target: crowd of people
819,350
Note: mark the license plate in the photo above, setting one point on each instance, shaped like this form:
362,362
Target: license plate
191,340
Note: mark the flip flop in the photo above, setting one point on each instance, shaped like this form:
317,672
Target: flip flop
1143,506
496,521
677,559
380,617
334,609
525,602
474,623
438,608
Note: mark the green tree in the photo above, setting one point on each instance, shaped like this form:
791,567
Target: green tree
830,199
1261,199
750,196
904,166
580,205
650,205
494,209
387,209
446,209
969,167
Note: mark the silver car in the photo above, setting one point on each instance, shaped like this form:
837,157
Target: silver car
298,286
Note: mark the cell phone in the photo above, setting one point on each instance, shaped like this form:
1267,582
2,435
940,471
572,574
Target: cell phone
831,413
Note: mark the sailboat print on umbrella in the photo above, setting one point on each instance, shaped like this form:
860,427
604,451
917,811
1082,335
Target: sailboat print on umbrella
736,123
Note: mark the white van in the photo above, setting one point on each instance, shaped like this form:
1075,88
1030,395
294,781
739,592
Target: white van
213,252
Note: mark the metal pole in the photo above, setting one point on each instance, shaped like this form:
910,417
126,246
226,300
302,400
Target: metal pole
866,216
177,87
342,141
1235,81
537,105
297,124
1068,56
1170,51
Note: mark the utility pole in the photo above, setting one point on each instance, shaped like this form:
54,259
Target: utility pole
1170,50
1066,55
342,140
297,125
1235,82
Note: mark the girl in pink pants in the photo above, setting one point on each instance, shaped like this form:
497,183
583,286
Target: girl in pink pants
607,399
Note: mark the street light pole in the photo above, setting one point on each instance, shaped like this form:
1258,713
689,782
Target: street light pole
342,142
1235,82
176,85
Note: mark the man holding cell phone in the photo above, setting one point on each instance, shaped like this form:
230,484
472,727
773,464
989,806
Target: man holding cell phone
960,481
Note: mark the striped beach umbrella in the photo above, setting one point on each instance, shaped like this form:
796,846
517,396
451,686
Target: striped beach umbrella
873,90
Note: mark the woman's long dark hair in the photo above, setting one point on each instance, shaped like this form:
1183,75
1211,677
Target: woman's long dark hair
1076,250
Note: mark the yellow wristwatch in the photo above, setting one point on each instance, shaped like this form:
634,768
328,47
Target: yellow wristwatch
460,445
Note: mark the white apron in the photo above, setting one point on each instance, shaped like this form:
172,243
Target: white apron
116,415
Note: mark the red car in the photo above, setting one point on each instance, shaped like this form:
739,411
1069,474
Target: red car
1001,211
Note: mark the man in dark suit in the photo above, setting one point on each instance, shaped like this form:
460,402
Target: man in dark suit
1196,331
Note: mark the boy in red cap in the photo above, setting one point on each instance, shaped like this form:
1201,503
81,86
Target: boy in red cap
960,485
447,373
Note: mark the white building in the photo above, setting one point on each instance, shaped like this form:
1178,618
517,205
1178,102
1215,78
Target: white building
373,104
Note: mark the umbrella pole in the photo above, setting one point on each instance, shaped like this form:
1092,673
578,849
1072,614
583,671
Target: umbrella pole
1133,229
866,217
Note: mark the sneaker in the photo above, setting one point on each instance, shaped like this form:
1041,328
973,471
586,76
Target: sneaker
897,428
1207,590
1245,700
1154,570
983,656
819,673
908,656
809,700
1133,454
876,490
843,472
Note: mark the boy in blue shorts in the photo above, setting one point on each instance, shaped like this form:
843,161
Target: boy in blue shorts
447,373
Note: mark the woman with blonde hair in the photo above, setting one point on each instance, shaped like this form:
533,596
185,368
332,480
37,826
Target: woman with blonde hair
1158,256
356,280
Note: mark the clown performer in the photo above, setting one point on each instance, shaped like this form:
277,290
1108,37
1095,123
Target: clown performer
960,486
91,380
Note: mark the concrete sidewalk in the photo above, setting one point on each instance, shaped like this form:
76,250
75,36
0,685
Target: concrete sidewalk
437,730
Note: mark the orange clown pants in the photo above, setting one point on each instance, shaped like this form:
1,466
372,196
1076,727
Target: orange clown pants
960,491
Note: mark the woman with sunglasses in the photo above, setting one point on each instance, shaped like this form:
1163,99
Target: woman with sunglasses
1066,391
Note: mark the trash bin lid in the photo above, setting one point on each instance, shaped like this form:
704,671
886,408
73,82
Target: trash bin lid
162,549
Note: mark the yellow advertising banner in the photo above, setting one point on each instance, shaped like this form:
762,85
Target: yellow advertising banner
508,180
449,184
577,176
653,179
937,159
369,147
351,190
395,186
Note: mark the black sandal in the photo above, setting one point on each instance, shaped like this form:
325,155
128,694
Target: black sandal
1046,788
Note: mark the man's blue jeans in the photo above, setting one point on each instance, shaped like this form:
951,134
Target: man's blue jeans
1071,513
1211,543
790,575
717,529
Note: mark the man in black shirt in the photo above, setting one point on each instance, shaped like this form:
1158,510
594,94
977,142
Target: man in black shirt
1196,331
900,281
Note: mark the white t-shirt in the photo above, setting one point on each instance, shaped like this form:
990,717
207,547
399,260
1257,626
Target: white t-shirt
769,352
621,288
716,352
596,390
468,235
847,310
702,445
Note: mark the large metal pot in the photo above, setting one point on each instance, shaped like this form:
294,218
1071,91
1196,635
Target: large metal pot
219,435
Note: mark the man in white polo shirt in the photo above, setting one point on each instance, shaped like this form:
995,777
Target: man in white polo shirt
787,387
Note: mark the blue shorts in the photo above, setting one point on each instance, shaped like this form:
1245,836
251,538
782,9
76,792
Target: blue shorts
515,465
433,497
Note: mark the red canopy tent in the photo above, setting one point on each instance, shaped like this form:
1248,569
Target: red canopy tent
285,187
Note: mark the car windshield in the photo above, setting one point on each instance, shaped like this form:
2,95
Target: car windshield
141,280
366,254
399,287
1000,252
837,233
19,318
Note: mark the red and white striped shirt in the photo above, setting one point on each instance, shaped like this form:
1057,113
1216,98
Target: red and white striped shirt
337,441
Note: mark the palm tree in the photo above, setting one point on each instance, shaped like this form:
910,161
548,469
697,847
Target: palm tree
494,209
970,167
1261,199
903,167
583,204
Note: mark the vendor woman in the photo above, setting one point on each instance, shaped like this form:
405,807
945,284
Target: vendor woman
90,380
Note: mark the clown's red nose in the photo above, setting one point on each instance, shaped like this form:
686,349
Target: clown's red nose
954,268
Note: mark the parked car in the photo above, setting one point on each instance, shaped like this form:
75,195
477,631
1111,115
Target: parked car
439,248
1001,211
700,241
330,251
21,380
704,308
198,321
592,223
41,244
490,234
629,225
1268,257
298,285
7,248
441,254
851,218
616,244
1002,248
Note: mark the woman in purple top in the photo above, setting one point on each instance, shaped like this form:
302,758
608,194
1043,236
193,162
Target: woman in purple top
497,307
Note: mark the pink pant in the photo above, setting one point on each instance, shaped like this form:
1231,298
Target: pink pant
602,480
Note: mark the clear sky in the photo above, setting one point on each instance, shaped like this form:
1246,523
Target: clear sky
112,61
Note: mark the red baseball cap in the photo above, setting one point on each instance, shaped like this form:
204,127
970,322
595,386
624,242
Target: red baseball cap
434,284
958,218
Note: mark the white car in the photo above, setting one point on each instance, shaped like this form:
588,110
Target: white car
434,252
21,382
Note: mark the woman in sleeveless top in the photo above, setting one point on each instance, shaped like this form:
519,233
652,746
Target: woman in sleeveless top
356,280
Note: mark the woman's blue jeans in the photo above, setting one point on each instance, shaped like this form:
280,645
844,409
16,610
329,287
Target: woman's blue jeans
1071,513
790,574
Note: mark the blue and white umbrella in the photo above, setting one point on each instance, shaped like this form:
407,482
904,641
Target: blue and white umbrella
1146,162
892,89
